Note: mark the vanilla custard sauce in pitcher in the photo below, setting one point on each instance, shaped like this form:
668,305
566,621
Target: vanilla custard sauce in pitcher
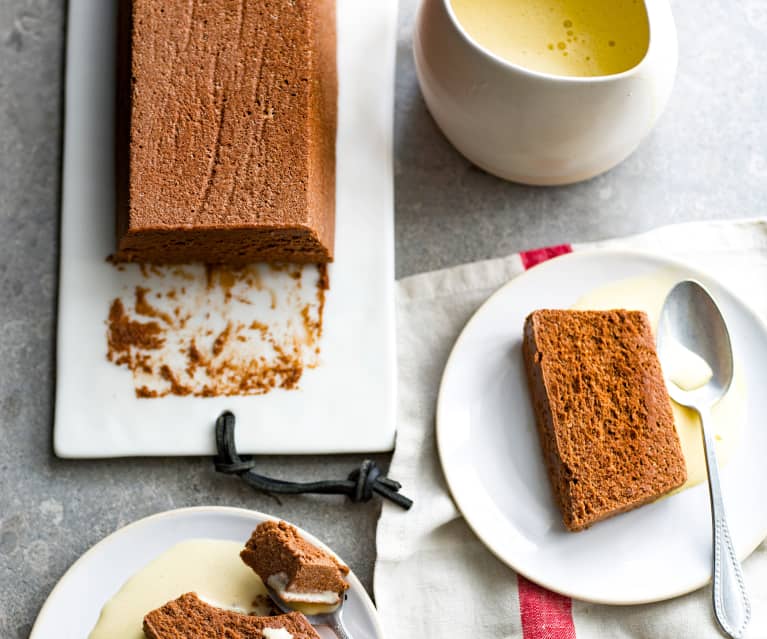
583,38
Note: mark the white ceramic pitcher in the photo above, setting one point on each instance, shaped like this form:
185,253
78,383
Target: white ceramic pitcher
532,127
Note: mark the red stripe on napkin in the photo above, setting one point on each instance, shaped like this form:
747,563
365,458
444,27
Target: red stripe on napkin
544,614
536,256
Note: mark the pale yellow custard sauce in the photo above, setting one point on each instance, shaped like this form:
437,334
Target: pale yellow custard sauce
211,568
560,37
647,293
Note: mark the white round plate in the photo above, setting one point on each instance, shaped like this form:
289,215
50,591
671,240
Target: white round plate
491,456
73,606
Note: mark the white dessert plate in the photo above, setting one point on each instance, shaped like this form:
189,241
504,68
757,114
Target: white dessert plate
491,456
344,403
74,605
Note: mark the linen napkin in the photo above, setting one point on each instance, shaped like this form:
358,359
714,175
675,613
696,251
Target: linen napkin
433,577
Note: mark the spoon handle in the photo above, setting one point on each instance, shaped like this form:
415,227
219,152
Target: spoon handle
731,605
336,624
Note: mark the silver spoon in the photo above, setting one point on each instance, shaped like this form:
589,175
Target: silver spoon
333,620
690,317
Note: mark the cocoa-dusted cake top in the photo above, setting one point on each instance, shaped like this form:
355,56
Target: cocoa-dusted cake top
226,131
290,564
188,617
602,410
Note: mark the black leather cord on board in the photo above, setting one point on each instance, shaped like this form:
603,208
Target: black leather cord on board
361,484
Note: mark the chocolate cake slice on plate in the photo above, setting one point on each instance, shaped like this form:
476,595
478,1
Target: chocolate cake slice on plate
602,411
188,617
297,570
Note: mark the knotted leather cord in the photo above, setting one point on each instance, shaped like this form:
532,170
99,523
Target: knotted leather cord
359,486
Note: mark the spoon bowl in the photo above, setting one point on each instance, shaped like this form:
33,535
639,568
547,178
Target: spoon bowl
691,319
332,619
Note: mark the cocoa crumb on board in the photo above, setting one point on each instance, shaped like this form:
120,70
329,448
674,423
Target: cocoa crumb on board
221,340
143,307
201,338
125,334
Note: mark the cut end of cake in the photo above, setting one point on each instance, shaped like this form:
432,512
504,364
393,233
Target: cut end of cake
602,411
188,617
298,571
240,246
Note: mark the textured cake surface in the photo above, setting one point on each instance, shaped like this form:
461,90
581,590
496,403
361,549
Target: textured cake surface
190,618
226,131
602,410
276,547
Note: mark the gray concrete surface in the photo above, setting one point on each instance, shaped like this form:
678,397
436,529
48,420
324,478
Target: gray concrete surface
707,159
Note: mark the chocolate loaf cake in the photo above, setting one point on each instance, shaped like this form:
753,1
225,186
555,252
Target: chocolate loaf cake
226,129
190,618
602,411
297,570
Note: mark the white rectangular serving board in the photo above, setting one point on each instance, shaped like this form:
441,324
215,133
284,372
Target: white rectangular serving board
346,403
